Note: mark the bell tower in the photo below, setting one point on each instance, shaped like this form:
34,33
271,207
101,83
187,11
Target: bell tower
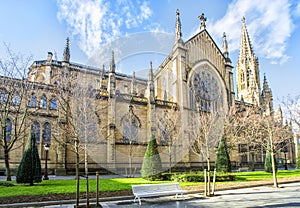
247,71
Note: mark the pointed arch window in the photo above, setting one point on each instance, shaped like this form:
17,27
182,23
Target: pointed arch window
164,136
36,127
43,102
46,133
53,104
32,100
8,130
130,123
3,96
16,100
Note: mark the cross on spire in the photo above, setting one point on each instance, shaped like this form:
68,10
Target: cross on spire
203,19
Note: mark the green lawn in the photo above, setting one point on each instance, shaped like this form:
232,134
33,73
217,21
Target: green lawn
115,184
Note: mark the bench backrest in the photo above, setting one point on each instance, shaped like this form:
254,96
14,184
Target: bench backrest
155,187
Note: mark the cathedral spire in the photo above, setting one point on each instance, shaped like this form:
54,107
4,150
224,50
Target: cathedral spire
178,26
67,52
246,50
279,116
112,64
267,97
266,87
247,68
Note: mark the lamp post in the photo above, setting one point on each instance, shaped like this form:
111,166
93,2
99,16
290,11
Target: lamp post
46,147
284,150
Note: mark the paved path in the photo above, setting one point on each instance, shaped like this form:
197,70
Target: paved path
288,195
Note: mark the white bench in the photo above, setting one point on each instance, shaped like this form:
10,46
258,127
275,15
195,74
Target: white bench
243,169
150,190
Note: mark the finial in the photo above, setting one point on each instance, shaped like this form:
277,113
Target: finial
243,19
103,71
225,46
112,64
67,51
178,26
133,84
150,77
203,20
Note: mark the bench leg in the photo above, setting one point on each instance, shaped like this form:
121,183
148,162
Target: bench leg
140,202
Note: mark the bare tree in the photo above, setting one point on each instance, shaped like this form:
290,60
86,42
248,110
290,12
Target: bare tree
14,108
168,131
131,124
80,129
267,133
207,129
292,110
234,125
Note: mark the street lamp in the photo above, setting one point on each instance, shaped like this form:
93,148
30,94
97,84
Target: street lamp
284,149
46,147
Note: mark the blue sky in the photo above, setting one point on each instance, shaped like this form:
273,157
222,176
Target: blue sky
34,27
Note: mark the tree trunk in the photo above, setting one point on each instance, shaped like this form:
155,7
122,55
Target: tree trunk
274,170
7,168
86,172
170,159
208,177
130,158
77,173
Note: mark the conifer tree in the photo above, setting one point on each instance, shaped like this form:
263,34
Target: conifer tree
152,163
29,170
223,160
268,161
298,159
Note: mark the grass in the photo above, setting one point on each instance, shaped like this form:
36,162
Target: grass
8,189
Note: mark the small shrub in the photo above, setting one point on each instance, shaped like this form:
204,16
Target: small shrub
225,177
199,177
6,184
167,176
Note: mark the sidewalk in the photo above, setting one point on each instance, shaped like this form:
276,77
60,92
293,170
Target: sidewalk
287,195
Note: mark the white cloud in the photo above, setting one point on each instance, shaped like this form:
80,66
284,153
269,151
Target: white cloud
97,22
269,25
297,10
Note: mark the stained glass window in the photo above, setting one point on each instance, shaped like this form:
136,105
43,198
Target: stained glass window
32,100
53,105
3,96
8,130
47,133
43,102
16,99
36,130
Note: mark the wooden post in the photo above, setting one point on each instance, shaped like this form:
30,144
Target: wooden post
97,188
87,191
214,182
205,183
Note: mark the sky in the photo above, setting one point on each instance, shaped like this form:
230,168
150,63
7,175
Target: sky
143,31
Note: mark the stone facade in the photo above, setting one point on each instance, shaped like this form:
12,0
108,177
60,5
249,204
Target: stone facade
126,110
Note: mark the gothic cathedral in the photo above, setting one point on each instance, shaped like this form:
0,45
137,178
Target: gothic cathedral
125,110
